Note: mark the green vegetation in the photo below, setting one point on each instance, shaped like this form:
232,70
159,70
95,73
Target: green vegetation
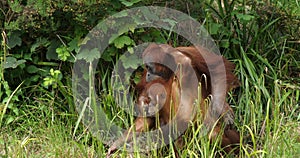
40,38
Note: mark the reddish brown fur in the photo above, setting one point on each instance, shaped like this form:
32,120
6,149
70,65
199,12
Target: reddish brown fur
155,93
200,63
141,124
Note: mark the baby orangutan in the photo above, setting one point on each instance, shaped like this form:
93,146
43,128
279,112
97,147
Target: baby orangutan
152,99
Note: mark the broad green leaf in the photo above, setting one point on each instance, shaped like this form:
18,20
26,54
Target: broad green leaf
32,69
106,56
149,16
245,17
214,28
10,119
14,40
12,62
131,61
89,55
51,50
121,41
74,45
126,28
16,111
34,78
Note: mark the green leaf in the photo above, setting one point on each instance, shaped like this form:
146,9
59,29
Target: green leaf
62,53
32,69
12,62
131,61
14,40
48,81
214,28
15,6
10,119
121,14
224,43
16,111
74,45
34,78
106,56
130,50
149,16
112,38
121,41
39,42
245,17
129,3
89,55
126,28
51,50
6,88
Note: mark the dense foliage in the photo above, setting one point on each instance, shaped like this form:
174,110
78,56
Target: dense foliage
40,39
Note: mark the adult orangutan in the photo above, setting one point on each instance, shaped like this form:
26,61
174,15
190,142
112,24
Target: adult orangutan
170,84
214,72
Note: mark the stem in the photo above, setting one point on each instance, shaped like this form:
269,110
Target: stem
3,60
